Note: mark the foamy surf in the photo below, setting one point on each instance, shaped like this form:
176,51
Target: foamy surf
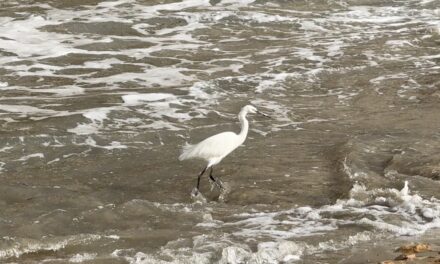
98,98
13,247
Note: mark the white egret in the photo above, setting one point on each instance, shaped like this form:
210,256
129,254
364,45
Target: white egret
215,148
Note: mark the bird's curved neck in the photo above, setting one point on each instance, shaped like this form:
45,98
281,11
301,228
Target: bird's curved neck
244,125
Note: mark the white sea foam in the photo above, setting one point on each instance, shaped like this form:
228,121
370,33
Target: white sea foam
425,2
267,252
399,43
113,145
60,91
379,79
275,82
334,49
84,129
24,39
6,148
30,156
97,116
79,258
237,3
373,15
155,76
265,18
410,207
416,215
134,99
279,228
19,247
2,166
274,109
308,54
101,64
331,245
181,37
26,110
312,26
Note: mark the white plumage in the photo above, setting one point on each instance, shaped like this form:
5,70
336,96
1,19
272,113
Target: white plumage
212,149
215,148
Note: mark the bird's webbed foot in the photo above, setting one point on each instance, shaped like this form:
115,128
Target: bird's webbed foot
197,196
195,192
215,182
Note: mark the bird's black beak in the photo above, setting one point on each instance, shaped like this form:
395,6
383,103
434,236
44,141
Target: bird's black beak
263,114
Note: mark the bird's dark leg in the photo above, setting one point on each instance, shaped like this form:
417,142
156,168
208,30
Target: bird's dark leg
210,174
215,180
198,178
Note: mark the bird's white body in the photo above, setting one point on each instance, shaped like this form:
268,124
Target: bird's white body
215,148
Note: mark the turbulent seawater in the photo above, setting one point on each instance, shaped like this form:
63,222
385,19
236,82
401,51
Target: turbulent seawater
98,97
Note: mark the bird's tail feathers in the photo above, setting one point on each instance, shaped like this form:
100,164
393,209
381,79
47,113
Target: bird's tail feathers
187,152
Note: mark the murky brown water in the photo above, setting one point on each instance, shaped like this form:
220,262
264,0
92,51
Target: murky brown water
97,98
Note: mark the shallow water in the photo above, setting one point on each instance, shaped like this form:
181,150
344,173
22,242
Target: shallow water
97,98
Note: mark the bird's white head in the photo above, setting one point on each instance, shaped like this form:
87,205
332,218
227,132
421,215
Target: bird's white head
249,109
